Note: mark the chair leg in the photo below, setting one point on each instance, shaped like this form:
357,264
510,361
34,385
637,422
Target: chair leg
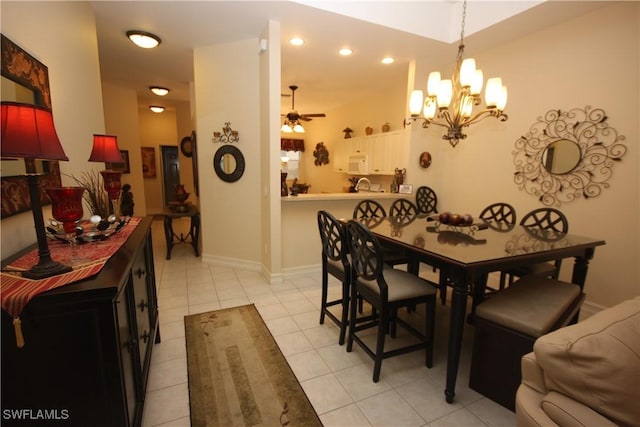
443,288
503,278
377,365
345,312
430,321
323,304
353,302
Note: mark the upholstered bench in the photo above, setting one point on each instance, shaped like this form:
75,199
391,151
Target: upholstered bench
506,326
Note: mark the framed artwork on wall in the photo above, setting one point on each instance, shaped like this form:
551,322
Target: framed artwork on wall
148,162
123,167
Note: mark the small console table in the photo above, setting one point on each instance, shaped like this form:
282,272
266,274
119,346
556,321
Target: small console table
192,237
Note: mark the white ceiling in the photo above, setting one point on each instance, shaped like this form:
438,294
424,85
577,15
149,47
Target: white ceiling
412,29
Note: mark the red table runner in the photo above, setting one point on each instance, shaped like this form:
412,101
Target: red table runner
16,291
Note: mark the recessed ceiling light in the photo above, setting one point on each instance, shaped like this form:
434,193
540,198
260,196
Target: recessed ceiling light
345,51
143,39
296,41
388,60
158,90
156,108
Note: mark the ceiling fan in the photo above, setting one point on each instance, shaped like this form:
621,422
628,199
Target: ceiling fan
292,121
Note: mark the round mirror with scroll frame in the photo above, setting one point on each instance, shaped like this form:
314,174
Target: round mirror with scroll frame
228,162
561,157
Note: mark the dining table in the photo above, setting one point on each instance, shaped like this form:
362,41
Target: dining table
466,254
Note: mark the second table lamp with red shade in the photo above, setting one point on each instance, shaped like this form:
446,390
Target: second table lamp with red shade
105,150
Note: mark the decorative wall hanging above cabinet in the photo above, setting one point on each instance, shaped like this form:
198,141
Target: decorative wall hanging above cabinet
228,135
567,155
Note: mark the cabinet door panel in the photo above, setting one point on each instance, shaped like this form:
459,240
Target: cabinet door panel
127,344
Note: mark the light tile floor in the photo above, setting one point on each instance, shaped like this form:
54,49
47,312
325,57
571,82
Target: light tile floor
338,383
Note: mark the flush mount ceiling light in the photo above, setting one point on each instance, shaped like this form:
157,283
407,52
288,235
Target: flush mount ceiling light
156,108
345,51
296,41
388,60
450,103
158,90
143,39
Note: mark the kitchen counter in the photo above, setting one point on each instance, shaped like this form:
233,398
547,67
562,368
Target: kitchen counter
345,196
301,244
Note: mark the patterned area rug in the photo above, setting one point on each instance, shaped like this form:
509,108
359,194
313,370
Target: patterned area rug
237,374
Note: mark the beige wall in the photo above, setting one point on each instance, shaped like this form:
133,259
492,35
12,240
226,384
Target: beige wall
592,60
568,66
121,119
42,29
227,90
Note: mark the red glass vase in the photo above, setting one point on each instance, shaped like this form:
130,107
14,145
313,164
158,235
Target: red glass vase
66,206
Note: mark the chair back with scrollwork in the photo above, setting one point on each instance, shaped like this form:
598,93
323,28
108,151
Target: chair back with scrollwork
403,207
499,216
369,209
426,200
546,219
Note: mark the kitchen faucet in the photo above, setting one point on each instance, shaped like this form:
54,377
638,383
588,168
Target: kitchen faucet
363,179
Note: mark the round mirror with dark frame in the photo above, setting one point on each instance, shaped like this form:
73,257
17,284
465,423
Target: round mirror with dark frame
228,162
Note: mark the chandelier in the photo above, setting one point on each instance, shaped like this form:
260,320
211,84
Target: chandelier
449,103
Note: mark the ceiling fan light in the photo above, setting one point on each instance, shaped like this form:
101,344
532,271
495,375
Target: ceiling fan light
143,39
286,128
298,128
159,90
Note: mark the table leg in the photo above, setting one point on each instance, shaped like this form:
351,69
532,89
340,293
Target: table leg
579,275
456,328
168,234
195,233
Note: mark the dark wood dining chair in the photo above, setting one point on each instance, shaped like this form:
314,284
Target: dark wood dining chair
499,216
404,208
371,213
335,262
426,200
544,224
387,290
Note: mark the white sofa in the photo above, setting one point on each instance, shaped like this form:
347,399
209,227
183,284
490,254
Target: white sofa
587,374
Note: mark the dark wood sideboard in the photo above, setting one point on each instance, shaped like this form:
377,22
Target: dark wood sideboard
87,346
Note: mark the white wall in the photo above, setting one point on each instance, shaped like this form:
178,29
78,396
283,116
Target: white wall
50,31
592,60
227,90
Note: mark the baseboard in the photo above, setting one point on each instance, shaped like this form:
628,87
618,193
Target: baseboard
588,309
232,262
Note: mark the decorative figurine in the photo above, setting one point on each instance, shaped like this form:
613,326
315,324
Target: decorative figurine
321,155
347,132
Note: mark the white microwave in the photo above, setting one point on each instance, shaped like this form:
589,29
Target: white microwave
358,164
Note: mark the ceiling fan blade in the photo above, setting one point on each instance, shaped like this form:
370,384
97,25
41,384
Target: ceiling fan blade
306,119
314,115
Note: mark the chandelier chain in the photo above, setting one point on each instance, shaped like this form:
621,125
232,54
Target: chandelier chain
464,18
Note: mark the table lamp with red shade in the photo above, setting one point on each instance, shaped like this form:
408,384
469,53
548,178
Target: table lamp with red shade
28,133
105,150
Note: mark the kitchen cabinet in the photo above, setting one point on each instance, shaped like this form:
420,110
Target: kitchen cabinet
386,152
88,345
